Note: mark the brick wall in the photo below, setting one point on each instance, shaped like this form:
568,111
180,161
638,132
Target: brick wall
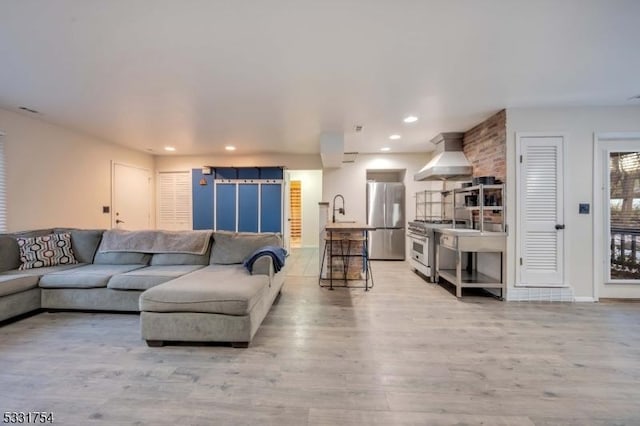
485,146
353,250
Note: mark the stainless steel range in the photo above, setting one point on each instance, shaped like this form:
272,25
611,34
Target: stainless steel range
423,245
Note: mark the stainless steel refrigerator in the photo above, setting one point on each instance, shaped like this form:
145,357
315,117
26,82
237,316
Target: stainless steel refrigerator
385,211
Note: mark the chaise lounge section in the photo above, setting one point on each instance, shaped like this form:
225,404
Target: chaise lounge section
222,302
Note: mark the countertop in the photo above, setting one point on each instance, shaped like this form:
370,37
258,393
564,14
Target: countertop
464,232
348,226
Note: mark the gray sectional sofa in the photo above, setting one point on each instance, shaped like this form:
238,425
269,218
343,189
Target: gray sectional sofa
204,297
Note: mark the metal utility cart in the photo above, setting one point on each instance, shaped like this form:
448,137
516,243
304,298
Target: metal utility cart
479,200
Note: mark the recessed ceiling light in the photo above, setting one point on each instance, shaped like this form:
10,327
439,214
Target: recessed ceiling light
169,148
394,137
385,149
410,119
230,148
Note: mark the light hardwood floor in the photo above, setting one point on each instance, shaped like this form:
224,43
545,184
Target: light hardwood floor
408,352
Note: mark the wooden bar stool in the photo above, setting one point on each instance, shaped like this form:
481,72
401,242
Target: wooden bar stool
366,266
329,239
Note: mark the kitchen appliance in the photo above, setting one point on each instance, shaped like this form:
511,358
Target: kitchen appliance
422,243
484,180
449,162
385,212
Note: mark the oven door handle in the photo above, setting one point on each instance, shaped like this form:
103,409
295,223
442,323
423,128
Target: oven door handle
418,237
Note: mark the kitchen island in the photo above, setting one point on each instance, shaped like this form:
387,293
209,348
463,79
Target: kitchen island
345,255
462,241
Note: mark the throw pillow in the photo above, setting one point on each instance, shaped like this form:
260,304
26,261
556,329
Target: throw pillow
47,250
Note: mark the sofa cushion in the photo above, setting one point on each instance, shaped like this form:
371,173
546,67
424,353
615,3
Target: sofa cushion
181,258
39,272
9,253
46,250
234,247
11,284
88,276
81,244
84,242
228,290
32,233
121,258
149,276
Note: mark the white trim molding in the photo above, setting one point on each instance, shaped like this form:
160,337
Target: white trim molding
584,299
598,224
540,294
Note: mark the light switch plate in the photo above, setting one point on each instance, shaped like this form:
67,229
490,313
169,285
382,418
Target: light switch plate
583,208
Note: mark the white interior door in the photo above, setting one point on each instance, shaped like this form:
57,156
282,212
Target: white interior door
540,211
131,204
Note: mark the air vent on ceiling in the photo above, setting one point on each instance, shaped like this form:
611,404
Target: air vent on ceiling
358,128
349,157
634,98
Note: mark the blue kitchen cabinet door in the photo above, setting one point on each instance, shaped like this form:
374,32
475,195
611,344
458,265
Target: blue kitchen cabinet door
271,208
202,197
225,206
248,207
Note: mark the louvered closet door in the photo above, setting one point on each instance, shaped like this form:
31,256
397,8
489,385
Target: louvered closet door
541,210
174,201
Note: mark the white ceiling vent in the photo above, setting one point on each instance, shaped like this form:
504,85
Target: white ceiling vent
349,157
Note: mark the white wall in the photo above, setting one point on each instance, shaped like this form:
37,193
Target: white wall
579,126
58,177
311,183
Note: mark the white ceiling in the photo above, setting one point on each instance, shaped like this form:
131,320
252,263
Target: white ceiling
271,75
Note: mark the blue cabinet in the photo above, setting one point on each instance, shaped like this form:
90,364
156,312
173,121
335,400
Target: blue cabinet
202,200
245,199
225,206
248,208
271,207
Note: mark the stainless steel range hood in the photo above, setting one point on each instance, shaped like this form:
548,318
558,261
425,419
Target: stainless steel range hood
449,162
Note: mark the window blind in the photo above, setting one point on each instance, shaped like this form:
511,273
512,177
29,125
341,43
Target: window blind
174,201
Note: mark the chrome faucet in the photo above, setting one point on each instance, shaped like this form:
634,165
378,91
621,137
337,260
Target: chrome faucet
340,210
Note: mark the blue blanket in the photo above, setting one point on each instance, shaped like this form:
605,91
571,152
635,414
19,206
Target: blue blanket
277,255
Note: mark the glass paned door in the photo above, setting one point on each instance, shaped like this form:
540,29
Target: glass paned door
624,216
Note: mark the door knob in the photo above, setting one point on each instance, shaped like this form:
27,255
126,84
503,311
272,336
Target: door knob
559,227
119,221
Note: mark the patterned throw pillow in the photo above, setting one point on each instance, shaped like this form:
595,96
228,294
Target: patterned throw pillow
48,250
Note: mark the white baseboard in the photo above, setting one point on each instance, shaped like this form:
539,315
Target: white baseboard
584,299
540,294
